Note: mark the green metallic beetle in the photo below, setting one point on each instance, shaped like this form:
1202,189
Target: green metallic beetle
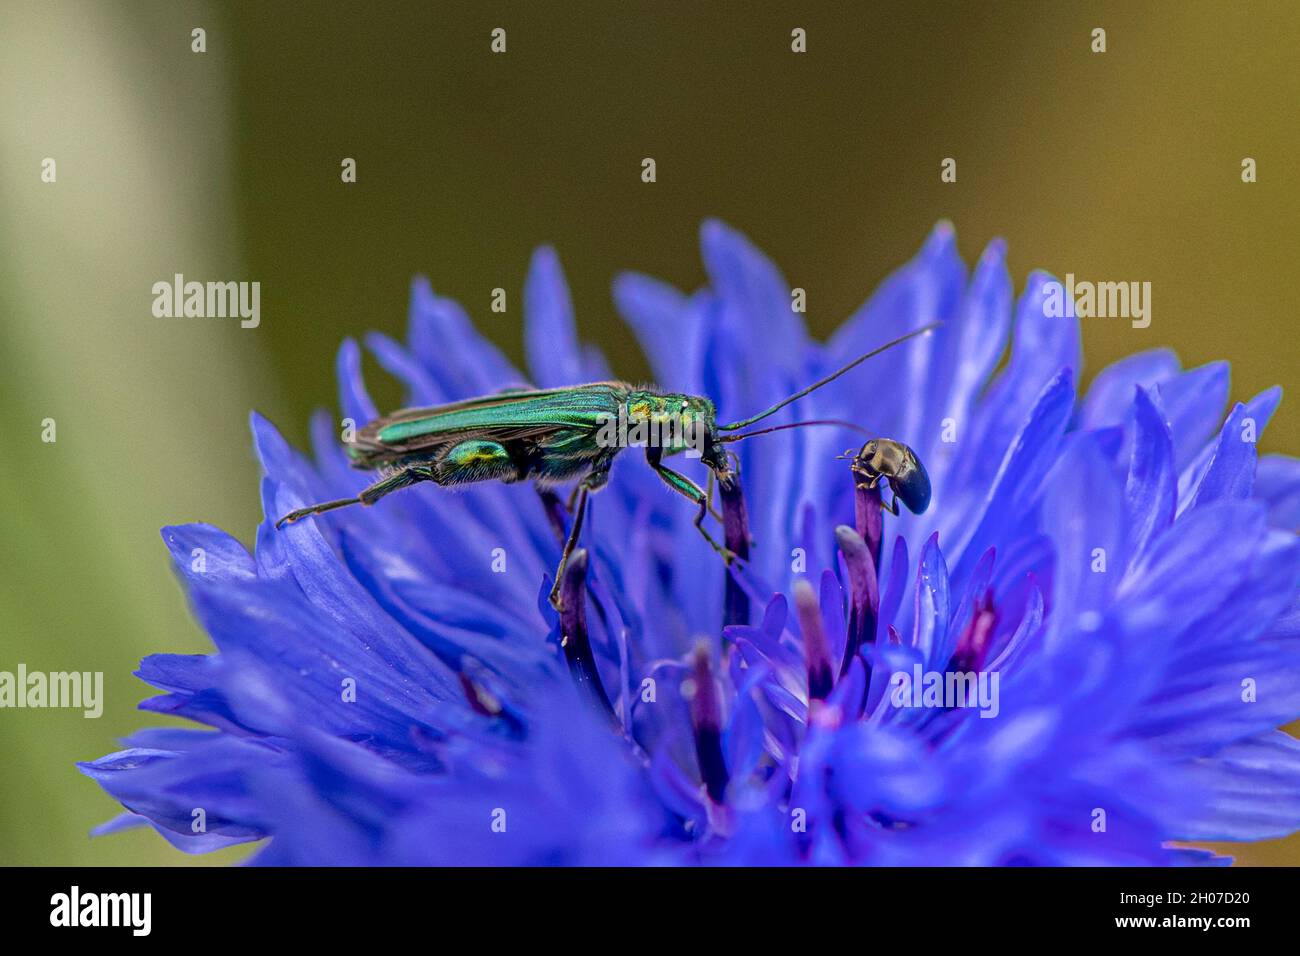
550,436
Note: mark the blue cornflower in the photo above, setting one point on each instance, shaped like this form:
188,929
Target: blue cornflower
390,684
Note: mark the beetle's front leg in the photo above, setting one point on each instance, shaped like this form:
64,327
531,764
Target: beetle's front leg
726,553
708,498
689,489
873,480
873,477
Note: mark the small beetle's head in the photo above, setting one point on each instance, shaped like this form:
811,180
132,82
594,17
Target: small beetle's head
884,458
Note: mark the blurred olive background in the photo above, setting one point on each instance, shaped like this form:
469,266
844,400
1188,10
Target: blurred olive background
226,165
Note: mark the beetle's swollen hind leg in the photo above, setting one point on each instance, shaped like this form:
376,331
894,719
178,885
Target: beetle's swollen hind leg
367,496
472,460
689,489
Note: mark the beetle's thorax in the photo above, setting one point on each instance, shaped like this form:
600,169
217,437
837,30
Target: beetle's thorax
673,421
889,458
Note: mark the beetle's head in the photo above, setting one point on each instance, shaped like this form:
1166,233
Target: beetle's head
702,432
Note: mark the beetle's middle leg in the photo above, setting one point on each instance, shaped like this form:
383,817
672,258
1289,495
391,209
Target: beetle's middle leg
593,481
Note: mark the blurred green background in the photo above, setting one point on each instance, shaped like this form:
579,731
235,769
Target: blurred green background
225,165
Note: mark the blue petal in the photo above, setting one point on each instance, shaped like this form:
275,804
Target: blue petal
891,594
420,386
1043,345
1230,475
1255,608
663,322
748,282
445,341
262,633
1083,512
1248,791
971,345
930,614
1111,393
166,787
1193,403
1151,491
1277,481
176,672
1208,707
743,739
204,550
927,288
279,461
550,337
1191,567
1020,475
353,397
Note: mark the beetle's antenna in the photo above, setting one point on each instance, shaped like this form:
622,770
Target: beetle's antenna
776,428
828,379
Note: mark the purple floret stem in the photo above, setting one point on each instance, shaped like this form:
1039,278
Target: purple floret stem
735,527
